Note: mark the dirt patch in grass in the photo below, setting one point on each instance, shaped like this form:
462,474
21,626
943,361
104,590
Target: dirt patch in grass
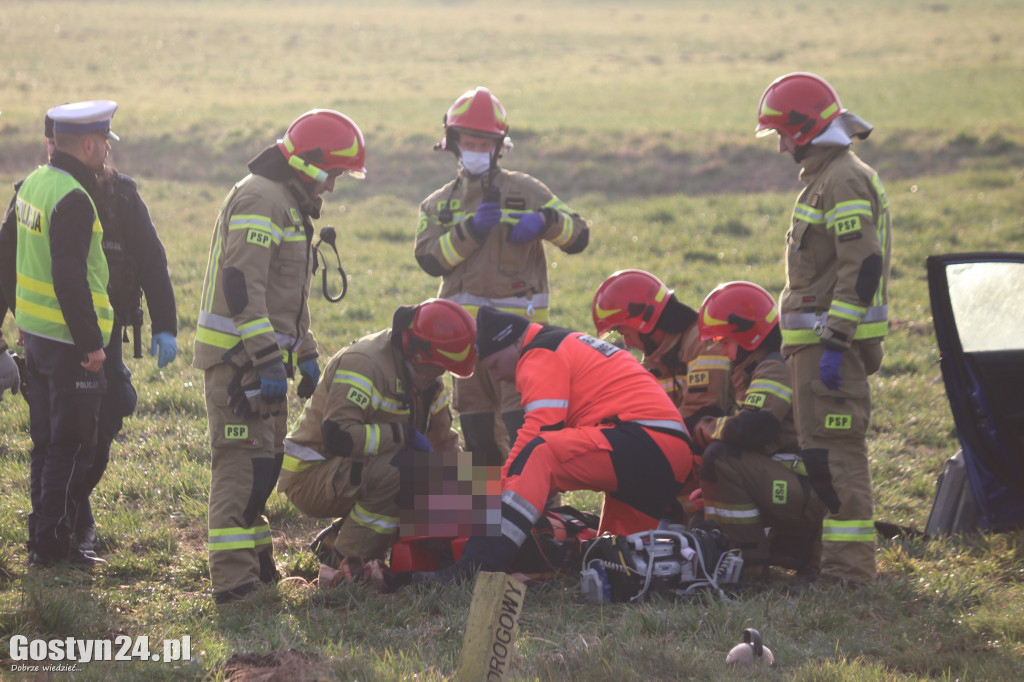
583,164
277,665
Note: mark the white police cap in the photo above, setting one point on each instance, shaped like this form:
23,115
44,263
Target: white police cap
80,118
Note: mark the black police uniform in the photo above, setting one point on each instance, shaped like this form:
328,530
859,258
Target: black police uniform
137,263
64,399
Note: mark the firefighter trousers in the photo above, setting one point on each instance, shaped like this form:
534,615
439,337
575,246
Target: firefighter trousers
490,413
833,445
748,493
246,461
362,491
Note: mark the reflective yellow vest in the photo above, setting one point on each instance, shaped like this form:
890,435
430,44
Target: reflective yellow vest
37,309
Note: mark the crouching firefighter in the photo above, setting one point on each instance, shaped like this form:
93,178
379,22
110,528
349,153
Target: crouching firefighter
254,327
379,418
751,478
595,420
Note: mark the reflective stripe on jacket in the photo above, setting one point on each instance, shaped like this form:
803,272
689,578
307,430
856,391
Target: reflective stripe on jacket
365,394
256,289
493,271
838,253
570,379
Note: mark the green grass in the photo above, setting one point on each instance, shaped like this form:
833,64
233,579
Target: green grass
639,116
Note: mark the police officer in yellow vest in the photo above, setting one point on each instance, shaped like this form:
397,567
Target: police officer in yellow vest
62,306
381,414
253,328
834,309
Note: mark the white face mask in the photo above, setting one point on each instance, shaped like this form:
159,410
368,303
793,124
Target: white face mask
476,163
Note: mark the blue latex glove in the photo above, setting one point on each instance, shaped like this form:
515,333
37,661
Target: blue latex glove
310,371
487,215
528,228
309,368
417,441
828,368
273,382
166,346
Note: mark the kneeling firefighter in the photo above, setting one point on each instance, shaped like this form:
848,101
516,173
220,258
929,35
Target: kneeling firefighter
371,426
751,478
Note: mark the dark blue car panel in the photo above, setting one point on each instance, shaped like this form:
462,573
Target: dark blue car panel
977,308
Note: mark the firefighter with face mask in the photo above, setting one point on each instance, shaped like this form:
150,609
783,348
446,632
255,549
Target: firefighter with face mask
483,234
834,309
648,316
379,416
253,329
751,477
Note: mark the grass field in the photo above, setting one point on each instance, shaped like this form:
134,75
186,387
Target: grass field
639,115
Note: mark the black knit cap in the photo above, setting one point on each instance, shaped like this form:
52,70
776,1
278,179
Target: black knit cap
496,330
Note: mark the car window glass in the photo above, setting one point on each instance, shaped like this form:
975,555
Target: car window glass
988,305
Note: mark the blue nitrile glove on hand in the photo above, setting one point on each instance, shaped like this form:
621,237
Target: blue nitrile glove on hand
487,216
165,346
528,228
273,382
310,371
828,368
417,441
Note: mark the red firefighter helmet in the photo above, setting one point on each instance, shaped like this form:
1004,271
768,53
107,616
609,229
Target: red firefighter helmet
323,141
741,311
442,333
798,105
477,112
629,298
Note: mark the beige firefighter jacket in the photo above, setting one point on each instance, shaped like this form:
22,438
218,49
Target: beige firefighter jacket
838,252
257,280
763,383
511,277
362,409
697,378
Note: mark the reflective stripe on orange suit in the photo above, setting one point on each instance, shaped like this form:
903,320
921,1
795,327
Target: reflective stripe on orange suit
595,420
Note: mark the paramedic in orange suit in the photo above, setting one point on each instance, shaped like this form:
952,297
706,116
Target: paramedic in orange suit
595,420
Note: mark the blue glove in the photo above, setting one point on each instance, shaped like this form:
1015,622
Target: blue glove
166,345
417,441
487,216
273,382
528,228
828,368
310,371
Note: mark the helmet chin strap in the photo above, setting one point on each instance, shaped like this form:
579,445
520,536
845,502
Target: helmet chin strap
306,168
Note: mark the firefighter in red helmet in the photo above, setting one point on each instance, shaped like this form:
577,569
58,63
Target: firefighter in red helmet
380,412
253,331
834,309
751,476
648,316
483,234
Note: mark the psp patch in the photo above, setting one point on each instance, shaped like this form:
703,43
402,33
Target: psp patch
259,238
780,492
358,397
840,422
236,431
698,378
754,400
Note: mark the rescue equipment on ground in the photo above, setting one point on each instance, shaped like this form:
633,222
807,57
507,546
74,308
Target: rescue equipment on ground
673,561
